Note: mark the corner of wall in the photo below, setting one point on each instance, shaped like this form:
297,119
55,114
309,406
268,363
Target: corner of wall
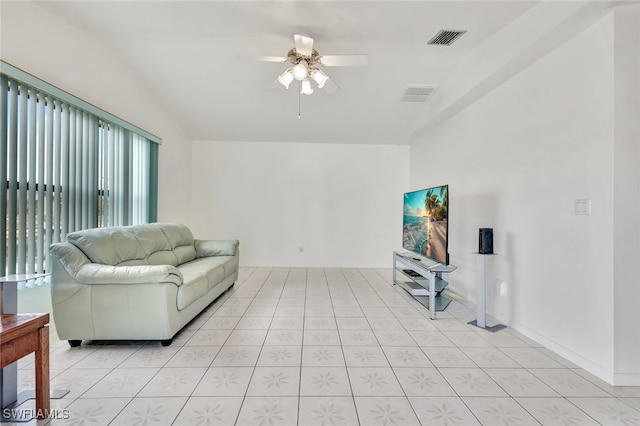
626,195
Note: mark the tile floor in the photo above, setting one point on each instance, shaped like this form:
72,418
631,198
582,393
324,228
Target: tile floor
328,347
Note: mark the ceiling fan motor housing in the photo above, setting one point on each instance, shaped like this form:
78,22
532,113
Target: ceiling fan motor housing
294,57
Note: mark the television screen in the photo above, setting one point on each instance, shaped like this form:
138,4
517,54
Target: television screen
424,227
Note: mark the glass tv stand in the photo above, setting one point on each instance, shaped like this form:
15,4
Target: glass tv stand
424,279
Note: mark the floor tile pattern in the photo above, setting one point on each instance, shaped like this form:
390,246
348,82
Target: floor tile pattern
324,346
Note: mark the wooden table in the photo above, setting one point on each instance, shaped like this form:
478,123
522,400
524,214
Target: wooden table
21,334
9,305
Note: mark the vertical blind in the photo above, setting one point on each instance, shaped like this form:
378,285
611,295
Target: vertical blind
66,169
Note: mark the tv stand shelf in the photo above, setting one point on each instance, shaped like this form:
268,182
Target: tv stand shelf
424,279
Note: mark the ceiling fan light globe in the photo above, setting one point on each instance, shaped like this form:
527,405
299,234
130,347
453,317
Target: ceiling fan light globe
286,78
320,78
300,70
305,88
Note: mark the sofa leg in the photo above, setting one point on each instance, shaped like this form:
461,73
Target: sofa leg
166,342
75,343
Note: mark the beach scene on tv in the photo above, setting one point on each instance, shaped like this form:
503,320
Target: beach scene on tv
425,222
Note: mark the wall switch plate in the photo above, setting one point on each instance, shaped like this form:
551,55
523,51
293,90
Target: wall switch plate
582,207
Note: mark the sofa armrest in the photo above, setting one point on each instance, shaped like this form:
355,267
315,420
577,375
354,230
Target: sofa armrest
69,256
95,273
208,248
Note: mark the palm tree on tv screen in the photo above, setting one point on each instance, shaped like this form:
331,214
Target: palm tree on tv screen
442,211
431,204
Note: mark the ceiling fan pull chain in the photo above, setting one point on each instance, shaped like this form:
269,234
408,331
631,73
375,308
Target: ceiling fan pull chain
299,96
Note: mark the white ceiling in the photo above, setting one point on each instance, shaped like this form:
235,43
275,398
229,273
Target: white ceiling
186,54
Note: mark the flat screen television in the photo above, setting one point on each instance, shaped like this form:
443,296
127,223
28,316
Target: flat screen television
425,223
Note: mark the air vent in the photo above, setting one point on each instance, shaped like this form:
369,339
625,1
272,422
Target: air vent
446,37
417,92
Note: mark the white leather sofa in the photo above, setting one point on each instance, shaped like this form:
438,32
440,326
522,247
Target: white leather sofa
141,282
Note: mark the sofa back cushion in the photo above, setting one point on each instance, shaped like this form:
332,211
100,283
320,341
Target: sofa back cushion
148,244
181,241
109,246
154,242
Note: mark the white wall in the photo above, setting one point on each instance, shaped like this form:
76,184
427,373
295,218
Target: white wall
341,203
40,43
515,161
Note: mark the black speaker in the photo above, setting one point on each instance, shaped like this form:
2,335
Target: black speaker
485,241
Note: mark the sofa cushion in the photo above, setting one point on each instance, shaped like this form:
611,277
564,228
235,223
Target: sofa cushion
211,267
193,287
147,244
109,246
181,241
150,237
155,244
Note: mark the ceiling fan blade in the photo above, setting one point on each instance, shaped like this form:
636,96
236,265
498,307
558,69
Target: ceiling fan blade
275,86
345,60
279,59
330,86
304,44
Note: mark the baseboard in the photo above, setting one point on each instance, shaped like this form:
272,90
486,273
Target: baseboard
614,379
626,379
569,355
611,378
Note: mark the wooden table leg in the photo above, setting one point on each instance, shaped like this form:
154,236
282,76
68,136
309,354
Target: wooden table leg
42,374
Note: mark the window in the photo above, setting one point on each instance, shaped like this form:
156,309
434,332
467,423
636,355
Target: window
68,166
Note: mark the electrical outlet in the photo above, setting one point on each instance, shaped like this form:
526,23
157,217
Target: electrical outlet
502,288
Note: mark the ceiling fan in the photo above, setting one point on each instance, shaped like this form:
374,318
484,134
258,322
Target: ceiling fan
305,65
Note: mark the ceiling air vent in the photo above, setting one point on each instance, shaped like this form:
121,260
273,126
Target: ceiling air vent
417,92
446,37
